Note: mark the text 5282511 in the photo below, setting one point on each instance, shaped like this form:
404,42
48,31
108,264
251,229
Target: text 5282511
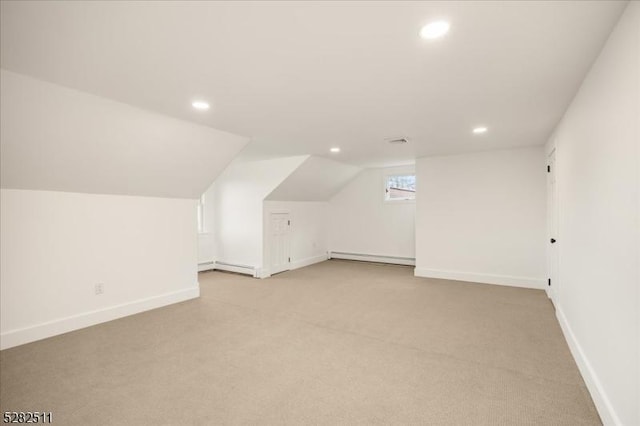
27,417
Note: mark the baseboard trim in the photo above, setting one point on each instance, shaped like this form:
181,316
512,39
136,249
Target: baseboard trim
239,269
506,280
297,264
394,260
206,266
262,273
33,333
549,292
599,396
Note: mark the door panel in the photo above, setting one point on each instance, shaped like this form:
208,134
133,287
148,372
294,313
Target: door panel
279,224
553,289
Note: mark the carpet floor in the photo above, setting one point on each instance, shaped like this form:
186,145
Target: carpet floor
338,342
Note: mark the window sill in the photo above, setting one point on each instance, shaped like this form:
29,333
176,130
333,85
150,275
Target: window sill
399,201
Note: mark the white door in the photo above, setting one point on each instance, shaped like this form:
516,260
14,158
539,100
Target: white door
279,224
552,215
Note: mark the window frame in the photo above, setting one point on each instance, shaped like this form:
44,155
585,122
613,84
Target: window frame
397,172
200,210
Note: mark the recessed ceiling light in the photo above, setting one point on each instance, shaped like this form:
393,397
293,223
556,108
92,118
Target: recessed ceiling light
480,130
434,30
200,105
335,149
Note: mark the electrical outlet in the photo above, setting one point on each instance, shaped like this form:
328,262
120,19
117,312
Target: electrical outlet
99,288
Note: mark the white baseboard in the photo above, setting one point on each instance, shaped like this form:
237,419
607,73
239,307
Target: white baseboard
600,399
29,334
549,292
525,282
394,260
262,273
297,264
239,269
206,266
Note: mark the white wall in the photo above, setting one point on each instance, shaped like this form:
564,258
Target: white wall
597,166
238,201
307,233
481,217
56,246
360,221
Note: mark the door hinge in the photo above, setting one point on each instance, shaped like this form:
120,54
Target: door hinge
549,282
548,169
289,222
289,260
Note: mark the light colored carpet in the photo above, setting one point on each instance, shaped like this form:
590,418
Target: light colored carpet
335,343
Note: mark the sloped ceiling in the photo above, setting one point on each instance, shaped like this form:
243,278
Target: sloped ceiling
59,139
302,76
316,179
256,179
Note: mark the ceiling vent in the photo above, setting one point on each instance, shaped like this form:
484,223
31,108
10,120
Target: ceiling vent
397,141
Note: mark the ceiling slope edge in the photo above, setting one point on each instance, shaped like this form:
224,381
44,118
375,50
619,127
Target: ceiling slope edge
316,179
59,139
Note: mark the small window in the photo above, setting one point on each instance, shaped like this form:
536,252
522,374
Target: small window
400,187
201,215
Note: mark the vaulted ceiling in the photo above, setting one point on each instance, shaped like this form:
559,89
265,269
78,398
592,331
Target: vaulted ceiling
315,179
301,77
58,139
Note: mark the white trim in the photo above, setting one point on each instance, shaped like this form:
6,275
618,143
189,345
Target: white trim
294,264
400,201
278,210
507,280
262,273
395,260
297,264
206,266
239,269
599,396
32,333
552,291
202,228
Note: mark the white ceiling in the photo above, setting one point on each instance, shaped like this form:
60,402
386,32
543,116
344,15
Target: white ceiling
300,77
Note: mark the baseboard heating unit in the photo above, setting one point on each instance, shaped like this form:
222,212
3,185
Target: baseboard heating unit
395,260
240,269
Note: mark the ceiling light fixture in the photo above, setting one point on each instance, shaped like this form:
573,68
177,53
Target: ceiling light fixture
335,149
434,30
200,105
480,130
